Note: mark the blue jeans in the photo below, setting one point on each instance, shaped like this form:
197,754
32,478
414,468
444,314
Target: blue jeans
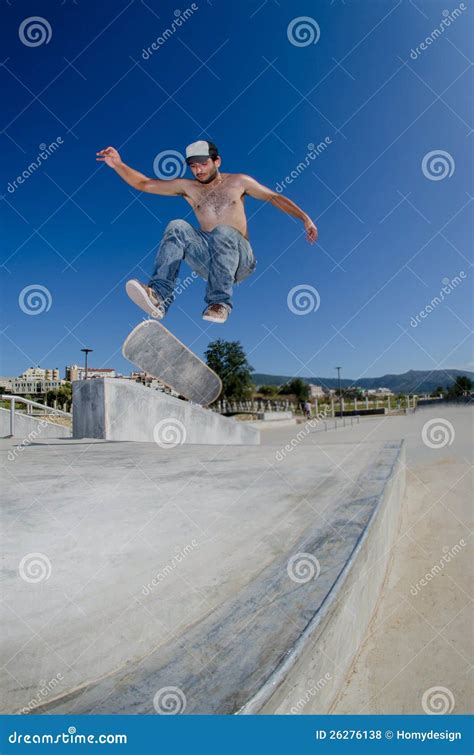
221,256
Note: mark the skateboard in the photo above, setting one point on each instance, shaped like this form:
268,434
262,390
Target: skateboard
152,348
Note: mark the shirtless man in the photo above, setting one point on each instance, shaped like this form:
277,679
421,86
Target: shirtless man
219,251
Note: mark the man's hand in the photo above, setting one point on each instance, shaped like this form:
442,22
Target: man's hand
109,156
311,231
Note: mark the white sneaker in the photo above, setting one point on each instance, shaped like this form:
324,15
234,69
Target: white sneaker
216,313
145,298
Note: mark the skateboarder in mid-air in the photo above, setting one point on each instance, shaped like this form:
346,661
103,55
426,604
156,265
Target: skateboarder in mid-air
219,251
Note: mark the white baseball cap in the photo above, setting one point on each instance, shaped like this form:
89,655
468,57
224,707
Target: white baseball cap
198,151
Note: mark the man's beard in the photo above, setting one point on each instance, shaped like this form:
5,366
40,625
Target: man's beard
211,178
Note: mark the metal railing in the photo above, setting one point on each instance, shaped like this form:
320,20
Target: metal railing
53,413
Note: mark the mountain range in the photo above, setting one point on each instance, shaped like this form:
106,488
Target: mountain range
413,381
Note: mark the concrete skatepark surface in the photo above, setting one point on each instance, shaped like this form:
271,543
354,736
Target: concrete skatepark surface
120,616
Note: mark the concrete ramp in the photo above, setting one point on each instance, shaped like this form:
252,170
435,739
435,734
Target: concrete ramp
230,574
29,428
115,409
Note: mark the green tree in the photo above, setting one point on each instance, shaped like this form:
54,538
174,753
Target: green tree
461,386
297,387
229,361
269,390
63,395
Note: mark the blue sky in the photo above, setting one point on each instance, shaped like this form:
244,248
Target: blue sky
390,193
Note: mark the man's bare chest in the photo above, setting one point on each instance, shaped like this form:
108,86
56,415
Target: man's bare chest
217,200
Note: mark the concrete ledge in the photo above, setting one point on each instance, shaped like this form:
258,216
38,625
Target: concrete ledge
274,416
31,428
121,410
262,424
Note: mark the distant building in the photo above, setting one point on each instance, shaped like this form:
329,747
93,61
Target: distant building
37,373
379,392
26,385
6,383
316,391
74,372
151,382
35,380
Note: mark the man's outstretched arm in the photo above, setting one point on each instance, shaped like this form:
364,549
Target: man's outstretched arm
170,188
258,191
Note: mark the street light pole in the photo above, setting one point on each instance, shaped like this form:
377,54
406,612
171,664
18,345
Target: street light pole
340,396
86,352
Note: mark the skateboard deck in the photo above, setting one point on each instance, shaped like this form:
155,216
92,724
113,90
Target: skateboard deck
152,348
